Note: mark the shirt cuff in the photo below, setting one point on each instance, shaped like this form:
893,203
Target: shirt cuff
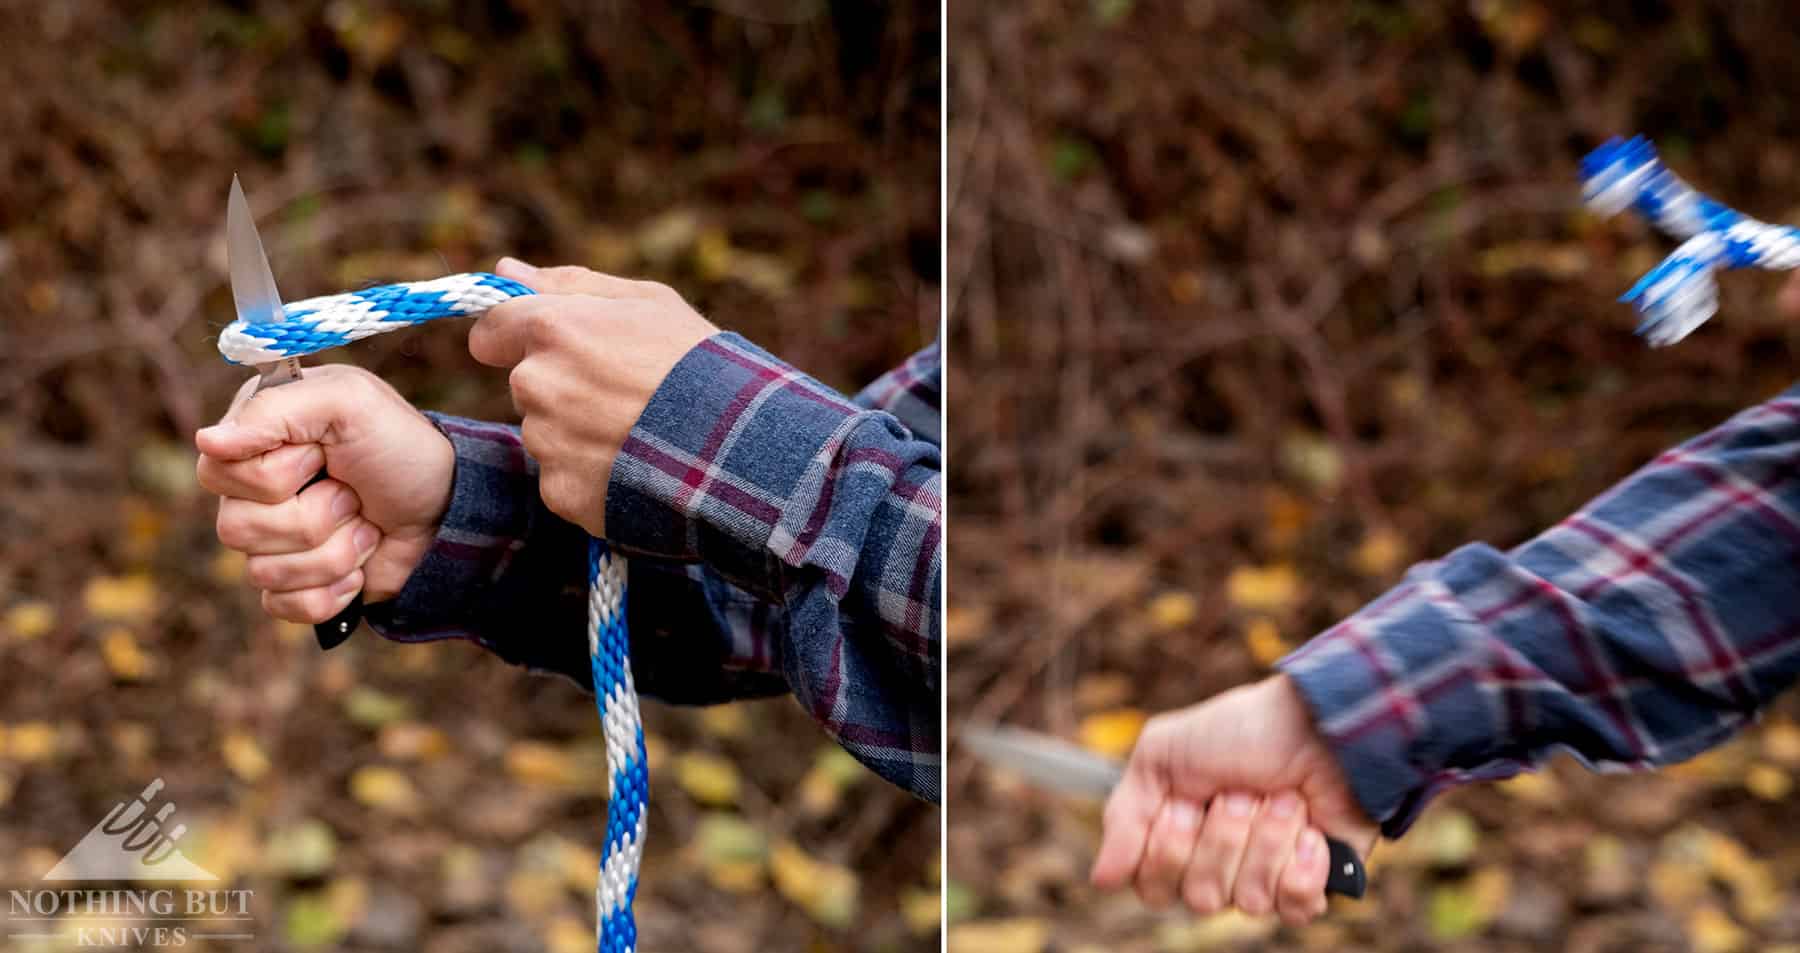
691,483
1396,691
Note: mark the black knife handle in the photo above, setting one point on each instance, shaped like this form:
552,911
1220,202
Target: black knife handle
334,631
1346,877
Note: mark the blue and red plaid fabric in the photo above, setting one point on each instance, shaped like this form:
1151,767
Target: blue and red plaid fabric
1638,632
781,538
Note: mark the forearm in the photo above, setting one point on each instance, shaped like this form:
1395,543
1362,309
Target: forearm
825,510
1638,632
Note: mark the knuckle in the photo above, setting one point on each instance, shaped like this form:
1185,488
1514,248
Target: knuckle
341,560
316,531
231,528
264,573
315,605
531,436
539,326
207,471
1152,895
1202,897
524,386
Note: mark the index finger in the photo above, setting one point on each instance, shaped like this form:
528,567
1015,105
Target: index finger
502,336
1125,832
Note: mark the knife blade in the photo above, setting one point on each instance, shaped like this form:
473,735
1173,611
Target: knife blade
1057,765
258,301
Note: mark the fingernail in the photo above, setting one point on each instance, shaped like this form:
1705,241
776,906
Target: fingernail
1183,816
346,585
1284,805
365,538
344,505
512,264
1237,805
1308,848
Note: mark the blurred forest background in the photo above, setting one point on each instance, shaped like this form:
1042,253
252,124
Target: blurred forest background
774,160
1251,306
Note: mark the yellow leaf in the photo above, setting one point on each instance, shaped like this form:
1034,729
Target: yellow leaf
132,740
1768,782
372,708
124,659
730,852
1380,553
569,935
30,619
120,598
1314,459
580,868
965,624
412,741
713,254
539,765
822,789
1711,931
668,235
1285,517
145,524
921,909
1173,610
385,790
533,892
1112,733
1016,935
244,756
1455,912
1676,886
1263,639
741,877
827,892
32,741
302,850
725,721
1223,930
707,778
1262,589
1781,741
1533,787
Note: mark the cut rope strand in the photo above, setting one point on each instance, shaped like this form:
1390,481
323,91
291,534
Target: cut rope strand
1682,292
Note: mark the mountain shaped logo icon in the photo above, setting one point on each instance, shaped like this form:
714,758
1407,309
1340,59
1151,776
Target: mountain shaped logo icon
131,843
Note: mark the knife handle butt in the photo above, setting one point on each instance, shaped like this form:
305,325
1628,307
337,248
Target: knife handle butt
1347,877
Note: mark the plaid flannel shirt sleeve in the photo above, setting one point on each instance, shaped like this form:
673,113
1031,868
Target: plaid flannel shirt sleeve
1642,630
781,538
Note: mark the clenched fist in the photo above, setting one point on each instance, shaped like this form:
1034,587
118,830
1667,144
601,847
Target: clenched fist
1228,803
365,527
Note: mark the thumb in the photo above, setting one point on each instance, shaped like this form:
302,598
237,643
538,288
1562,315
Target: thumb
302,412
572,280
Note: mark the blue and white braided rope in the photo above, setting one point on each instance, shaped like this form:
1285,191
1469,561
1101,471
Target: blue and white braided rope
1679,294
319,323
